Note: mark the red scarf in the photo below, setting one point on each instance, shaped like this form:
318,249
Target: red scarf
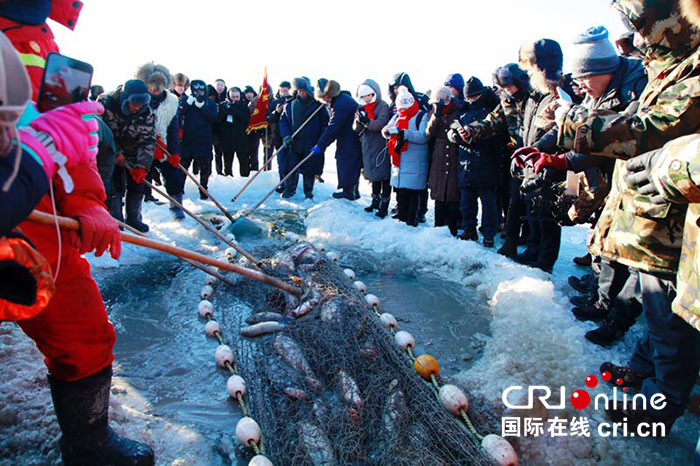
369,108
396,146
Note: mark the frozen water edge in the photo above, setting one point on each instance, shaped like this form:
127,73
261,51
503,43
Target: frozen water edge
535,339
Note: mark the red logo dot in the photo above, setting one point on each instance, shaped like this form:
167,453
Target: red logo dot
624,389
618,381
606,376
580,399
591,381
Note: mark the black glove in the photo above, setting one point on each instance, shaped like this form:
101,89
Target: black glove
438,106
638,176
362,116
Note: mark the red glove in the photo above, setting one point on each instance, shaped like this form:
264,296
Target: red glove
98,231
138,174
158,153
524,154
174,160
558,162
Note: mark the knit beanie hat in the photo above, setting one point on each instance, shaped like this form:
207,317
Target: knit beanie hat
440,93
404,99
593,54
473,87
455,80
364,90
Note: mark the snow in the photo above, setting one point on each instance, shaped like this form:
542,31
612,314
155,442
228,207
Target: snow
534,338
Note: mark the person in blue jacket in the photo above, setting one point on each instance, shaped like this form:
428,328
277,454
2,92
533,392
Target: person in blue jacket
198,114
294,150
348,152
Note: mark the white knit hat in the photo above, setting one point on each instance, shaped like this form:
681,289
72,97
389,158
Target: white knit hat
15,89
404,99
364,90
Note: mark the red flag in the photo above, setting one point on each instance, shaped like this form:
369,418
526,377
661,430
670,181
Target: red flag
259,118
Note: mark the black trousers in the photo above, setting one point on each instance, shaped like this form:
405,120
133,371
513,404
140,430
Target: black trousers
253,146
516,209
243,161
218,157
381,188
448,214
408,205
204,166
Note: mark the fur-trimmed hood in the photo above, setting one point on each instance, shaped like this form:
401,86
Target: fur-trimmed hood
330,90
543,61
155,75
691,10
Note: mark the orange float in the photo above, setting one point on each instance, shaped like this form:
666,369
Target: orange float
426,365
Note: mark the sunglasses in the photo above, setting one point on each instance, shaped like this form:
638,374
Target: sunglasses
198,87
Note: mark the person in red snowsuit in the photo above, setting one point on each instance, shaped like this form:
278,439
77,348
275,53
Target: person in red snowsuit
73,331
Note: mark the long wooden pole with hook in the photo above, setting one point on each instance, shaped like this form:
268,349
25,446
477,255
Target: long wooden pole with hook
194,179
194,264
274,155
72,224
210,228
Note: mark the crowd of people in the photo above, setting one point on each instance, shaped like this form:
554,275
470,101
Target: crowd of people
612,144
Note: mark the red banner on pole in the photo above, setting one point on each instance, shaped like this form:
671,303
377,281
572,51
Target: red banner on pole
259,118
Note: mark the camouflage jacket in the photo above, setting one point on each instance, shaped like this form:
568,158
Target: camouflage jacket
631,229
134,136
676,174
507,118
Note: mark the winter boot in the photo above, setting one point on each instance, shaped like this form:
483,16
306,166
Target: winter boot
585,284
608,333
509,248
488,242
469,234
116,207
584,261
383,208
375,203
81,408
133,212
629,377
148,197
595,312
526,258
177,212
583,300
356,192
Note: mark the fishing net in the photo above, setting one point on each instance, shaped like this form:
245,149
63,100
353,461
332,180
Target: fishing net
359,400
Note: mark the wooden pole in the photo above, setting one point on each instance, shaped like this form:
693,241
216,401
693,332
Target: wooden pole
274,155
194,179
72,224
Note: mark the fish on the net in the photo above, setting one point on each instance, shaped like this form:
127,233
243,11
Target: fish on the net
331,386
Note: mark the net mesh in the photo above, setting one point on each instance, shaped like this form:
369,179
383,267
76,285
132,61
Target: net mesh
358,400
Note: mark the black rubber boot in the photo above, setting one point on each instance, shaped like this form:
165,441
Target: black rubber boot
374,205
133,212
608,333
509,247
469,234
116,207
383,208
179,214
595,312
87,440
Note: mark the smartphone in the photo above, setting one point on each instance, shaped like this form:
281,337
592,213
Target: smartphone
564,95
66,81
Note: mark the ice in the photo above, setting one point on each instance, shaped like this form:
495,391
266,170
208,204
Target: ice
533,337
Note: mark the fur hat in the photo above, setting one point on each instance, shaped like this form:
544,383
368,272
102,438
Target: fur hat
404,98
155,75
543,60
286,84
691,11
331,89
303,84
249,89
181,80
511,74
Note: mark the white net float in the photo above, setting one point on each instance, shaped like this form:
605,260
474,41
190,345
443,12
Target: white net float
260,460
333,256
372,300
230,254
212,327
350,274
246,430
244,262
223,355
499,450
292,237
389,320
321,247
206,308
236,386
361,286
453,399
211,281
230,236
207,292
405,340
